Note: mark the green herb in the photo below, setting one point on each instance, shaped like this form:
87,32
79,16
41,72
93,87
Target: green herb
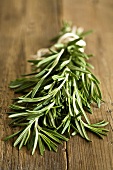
57,95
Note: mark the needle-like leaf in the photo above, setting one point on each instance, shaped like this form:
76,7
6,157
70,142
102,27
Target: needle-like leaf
56,95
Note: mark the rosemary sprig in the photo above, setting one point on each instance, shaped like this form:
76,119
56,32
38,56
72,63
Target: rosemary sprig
56,95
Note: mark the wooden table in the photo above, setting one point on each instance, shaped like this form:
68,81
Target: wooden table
26,26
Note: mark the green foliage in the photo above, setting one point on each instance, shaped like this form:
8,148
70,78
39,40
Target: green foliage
55,98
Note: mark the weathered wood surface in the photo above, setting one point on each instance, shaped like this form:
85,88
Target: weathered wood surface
27,25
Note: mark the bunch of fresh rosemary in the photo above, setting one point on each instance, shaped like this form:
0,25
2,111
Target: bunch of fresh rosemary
57,95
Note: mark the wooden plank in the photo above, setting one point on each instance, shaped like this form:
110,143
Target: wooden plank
25,26
96,15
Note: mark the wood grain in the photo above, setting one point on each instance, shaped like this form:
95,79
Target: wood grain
26,26
96,15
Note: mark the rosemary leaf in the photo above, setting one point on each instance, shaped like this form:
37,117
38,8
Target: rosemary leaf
57,95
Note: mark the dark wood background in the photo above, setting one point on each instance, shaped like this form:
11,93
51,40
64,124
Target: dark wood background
26,26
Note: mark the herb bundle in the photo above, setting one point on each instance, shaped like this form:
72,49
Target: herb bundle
56,95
